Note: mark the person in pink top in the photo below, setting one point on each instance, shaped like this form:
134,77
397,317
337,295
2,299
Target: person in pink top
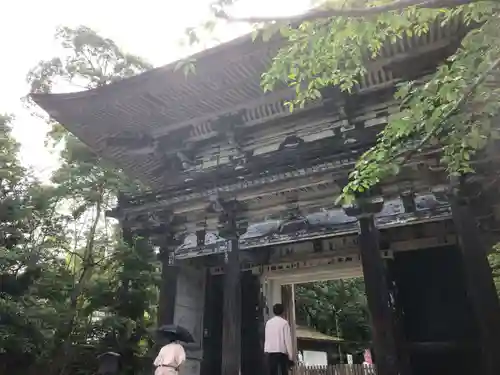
169,359
278,343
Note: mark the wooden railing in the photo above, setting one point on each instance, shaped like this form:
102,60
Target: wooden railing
336,370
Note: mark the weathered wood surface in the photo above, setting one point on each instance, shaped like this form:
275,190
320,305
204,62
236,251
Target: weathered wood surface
230,76
168,290
398,316
189,304
212,326
231,325
377,294
319,225
480,286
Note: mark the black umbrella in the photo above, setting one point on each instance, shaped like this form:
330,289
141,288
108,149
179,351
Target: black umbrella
176,332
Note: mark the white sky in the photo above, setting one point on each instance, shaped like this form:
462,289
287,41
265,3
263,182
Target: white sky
149,28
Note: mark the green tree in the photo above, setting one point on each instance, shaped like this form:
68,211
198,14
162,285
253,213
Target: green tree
336,308
33,278
113,292
494,259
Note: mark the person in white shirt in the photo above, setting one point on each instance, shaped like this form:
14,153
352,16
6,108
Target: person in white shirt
278,343
170,357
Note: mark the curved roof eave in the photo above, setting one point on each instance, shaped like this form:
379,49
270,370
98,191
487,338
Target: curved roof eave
148,76
226,76
165,103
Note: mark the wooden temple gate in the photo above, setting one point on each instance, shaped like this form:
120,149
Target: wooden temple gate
242,189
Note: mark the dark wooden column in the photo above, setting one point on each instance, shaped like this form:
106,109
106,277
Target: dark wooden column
377,292
479,280
398,316
168,286
162,234
231,324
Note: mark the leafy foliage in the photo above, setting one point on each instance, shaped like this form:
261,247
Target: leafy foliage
324,304
454,109
29,240
89,61
494,259
71,287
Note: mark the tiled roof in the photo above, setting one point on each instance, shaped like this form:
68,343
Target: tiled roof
164,101
308,333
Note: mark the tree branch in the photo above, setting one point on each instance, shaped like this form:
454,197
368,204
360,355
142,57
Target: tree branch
470,90
313,15
75,254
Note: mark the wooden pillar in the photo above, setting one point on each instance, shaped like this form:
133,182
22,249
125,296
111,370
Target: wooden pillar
377,292
212,337
398,315
168,287
231,324
479,280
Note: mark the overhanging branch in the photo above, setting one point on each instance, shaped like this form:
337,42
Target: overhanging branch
463,99
350,12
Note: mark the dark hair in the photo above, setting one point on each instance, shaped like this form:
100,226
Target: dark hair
278,309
